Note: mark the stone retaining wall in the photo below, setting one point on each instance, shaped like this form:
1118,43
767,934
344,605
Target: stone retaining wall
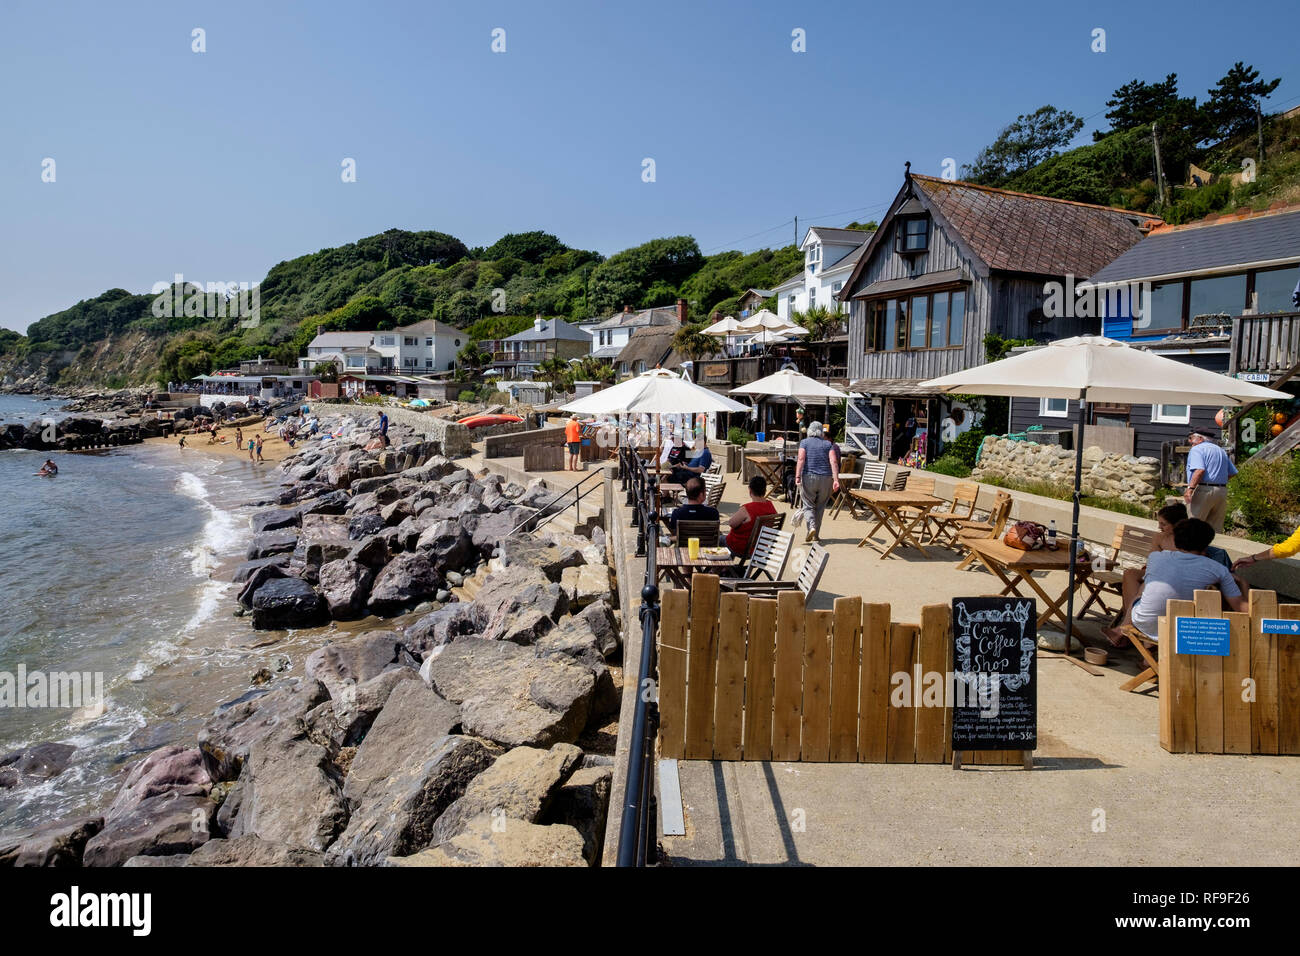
1104,475
453,438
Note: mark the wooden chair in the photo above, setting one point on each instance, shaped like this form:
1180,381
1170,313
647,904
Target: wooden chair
706,531
1135,542
873,479
1145,645
943,524
806,580
921,485
771,550
990,528
713,469
900,481
713,492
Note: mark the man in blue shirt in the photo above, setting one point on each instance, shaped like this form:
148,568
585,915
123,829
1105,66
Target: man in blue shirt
1208,471
697,466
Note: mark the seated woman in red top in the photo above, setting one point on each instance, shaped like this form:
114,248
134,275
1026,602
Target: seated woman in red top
742,522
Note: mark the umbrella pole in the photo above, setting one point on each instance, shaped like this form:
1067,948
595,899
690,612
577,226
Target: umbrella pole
1074,524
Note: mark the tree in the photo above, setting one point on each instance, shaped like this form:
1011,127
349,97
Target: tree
558,372
1032,138
626,277
328,372
589,369
693,344
535,246
1230,110
820,322
473,358
1138,104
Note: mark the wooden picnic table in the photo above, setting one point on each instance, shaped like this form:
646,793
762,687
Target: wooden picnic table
888,507
675,564
1014,567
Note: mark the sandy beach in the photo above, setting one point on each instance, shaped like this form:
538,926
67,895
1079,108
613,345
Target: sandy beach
274,449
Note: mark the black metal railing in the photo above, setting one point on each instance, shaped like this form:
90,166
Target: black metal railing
637,835
576,504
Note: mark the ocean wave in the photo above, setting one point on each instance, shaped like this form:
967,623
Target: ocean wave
223,533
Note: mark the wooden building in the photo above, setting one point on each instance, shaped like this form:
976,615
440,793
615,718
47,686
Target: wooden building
951,263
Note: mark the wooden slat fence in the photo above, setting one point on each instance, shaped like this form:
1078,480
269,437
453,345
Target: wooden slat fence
1245,703
744,678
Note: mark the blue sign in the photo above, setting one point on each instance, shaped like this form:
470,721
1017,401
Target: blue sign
1201,635
1275,625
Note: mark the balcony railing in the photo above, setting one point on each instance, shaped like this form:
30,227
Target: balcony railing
1265,343
731,372
525,355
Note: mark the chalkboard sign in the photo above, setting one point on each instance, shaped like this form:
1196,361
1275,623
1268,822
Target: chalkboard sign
995,667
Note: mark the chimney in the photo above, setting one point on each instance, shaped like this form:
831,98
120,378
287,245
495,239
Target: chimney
627,309
539,324
681,311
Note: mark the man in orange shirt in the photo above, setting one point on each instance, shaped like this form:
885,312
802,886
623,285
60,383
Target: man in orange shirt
573,436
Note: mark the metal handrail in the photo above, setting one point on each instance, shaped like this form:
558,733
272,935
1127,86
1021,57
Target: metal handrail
540,509
637,843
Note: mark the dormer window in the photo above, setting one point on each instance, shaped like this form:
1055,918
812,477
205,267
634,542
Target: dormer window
912,235
814,256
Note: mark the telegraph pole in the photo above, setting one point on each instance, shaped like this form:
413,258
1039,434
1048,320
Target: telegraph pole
1259,132
796,232
1160,170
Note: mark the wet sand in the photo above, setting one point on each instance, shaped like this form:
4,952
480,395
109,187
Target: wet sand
273,448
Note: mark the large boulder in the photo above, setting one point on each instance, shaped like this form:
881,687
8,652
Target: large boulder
493,528
175,821
288,602
226,737
245,569
257,577
59,843
448,545
583,803
519,604
272,542
405,581
573,639
345,586
442,627
343,663
34,764
249,850
549,558
484,843
164,770
509,695
398,816
585,584
518,786
345,721
288,793
364,525
275,520
324,538
330,503
372,552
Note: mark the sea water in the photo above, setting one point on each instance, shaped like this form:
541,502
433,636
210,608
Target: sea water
120,566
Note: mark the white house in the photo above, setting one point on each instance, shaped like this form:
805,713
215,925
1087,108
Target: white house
610,335
829,258
417,349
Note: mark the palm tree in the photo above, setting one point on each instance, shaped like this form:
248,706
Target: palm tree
820,322
558,372
691,343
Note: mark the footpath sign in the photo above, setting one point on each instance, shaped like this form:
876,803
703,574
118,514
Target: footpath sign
995,674
1207,637
1277,625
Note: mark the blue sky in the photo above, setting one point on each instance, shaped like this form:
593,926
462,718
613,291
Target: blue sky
220,164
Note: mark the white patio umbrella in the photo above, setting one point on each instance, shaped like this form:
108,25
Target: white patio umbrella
764,319
1091,368
723,327
789,384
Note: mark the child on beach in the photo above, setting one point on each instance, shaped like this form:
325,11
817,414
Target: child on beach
259,448
239,437
182,442
251,443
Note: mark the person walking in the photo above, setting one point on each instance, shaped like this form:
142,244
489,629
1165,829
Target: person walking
573,440
1208,471
817,475
259,448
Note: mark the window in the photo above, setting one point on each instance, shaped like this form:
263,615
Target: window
640,366
912,235
408,340
1054,408
812,297
428,341
931,320
428,363
458,343
814,256
622,368
1273,289
1164,308
387,340
1171,414
356,361
409,363
1221,294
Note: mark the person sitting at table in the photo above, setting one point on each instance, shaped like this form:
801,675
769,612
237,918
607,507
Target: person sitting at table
673,452
742,522
1169,516
697,466
695,509
1173,575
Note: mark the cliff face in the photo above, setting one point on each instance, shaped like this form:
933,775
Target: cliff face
118,361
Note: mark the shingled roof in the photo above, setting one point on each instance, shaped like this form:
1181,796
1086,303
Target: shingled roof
1020,232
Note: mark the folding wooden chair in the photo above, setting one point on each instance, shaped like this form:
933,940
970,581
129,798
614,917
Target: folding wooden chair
1136,543
943,524
806,580
900,481
873,479
921,485
992,528
1145,645
706,531
713,492
771,550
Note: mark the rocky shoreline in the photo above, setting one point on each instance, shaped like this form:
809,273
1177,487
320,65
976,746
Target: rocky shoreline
447,738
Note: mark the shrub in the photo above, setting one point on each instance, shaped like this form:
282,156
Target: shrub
965,447
1265,495
950,465
738,436
467,395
